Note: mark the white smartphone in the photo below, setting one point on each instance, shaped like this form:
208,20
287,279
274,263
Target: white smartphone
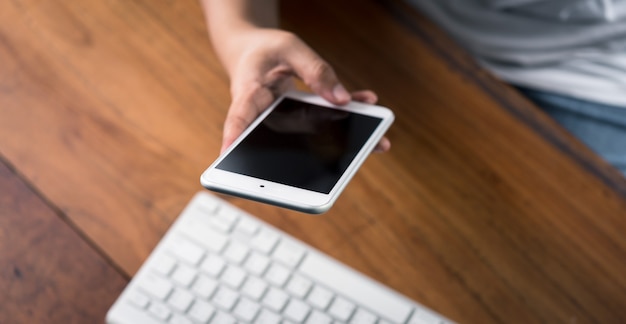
300,153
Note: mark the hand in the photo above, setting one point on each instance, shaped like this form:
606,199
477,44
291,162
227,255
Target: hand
269,61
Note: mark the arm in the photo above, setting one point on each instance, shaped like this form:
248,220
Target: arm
262,60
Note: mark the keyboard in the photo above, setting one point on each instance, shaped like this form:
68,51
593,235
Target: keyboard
219,264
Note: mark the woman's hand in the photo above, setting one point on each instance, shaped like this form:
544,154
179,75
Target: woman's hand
267,67
263,62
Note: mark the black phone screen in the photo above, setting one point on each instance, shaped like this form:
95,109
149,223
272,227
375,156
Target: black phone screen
301,145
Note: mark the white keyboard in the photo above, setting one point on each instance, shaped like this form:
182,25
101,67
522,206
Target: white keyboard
218,264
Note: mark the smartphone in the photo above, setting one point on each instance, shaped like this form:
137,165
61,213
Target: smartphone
300,153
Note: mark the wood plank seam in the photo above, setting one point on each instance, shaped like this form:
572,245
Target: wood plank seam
64,218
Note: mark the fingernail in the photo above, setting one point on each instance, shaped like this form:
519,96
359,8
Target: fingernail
340,93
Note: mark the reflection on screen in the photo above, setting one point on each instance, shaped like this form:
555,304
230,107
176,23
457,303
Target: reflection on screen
301,145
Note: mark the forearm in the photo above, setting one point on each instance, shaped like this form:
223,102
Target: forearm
229,20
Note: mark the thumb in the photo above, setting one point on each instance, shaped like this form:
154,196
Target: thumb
244,108
318,75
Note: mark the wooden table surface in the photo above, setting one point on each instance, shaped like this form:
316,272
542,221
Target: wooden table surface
484,209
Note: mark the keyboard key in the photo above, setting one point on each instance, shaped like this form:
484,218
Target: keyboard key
341,309
298,286
246,309
254,288
201,311
204,287
256,263
180,300
296,311
265,241
320,297
267,317
236,252
233,277
184,275
275,299
213,265
224,219
277,275
225,298
423,316
363,317
156,286
319,318
164,265
204,235
223,318
228,214
185,250
288,252
159,311
247,226
138,299
222,224
206,207
179,319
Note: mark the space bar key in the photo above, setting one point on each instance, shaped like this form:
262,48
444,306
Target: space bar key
357,287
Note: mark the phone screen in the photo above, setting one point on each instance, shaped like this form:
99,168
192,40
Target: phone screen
301,145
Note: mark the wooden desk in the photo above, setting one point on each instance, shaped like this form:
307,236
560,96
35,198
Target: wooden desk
484,209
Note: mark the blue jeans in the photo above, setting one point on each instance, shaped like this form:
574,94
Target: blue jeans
601,127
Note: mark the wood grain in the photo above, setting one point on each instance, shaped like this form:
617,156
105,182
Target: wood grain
484,209
49,274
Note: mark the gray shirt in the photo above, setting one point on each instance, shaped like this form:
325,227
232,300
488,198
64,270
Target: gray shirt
572,47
